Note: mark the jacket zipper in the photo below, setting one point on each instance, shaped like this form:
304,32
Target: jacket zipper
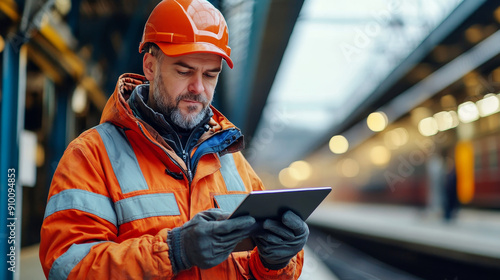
185,157
187,160
186,173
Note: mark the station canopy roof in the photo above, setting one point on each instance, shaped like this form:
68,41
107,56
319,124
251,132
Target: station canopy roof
338,53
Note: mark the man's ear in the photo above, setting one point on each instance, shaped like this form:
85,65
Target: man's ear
149,66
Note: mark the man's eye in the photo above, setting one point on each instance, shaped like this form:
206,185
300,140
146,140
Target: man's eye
182,73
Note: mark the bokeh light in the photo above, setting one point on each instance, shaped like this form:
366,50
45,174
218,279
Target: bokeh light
300,170
349,167
468,112
338,144
286,179
380,155
377,121
428,126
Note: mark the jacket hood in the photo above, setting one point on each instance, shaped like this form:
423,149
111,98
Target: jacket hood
118,111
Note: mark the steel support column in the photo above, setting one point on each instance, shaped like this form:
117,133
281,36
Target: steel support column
58,139
11,124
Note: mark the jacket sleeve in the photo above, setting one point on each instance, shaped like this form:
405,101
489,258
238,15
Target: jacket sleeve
291,271
79,235
252,265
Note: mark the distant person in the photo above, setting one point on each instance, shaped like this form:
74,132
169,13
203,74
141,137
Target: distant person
450,195
436,171
135,197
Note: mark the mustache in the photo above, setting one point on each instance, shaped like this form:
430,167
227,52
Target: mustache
191,96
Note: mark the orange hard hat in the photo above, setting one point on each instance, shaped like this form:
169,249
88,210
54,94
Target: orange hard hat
182,27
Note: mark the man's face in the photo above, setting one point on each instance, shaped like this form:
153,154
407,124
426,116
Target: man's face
183,87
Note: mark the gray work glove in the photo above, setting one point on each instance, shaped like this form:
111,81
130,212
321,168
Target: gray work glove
278,242
206,240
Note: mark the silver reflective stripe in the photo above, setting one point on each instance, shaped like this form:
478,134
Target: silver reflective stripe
145,206
122,157
229,202
230,174
82,200
62,267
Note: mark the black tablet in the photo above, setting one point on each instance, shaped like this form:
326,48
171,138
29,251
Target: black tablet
272,204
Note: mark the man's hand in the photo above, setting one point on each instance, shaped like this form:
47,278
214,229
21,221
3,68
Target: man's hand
278,242
206,240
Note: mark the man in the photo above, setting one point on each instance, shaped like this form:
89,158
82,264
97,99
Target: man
146,194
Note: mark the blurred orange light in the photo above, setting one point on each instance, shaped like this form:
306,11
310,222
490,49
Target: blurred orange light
464,162
448,101
495,75
2,44
496,13
474,34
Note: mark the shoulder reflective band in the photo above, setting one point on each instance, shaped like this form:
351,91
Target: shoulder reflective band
82,200
229,202
145,206
230,174
122,157
62,267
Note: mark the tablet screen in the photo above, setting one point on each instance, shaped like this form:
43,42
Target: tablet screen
272,204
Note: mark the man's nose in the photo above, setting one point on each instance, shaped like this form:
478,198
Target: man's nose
196,84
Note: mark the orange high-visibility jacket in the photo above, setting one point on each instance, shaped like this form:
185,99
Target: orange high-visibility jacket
119,188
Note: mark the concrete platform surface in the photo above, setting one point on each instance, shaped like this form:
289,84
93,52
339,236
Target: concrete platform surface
472,233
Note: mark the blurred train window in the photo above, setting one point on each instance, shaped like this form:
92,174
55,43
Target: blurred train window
478,156
492,153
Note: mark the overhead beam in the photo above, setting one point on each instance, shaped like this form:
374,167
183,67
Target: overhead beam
271,27
281,19
247,76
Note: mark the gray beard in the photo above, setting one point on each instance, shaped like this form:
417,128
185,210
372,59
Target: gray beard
169,108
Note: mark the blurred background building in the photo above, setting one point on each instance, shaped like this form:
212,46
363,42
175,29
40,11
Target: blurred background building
393,103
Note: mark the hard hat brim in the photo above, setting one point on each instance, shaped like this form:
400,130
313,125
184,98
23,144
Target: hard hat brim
172,49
